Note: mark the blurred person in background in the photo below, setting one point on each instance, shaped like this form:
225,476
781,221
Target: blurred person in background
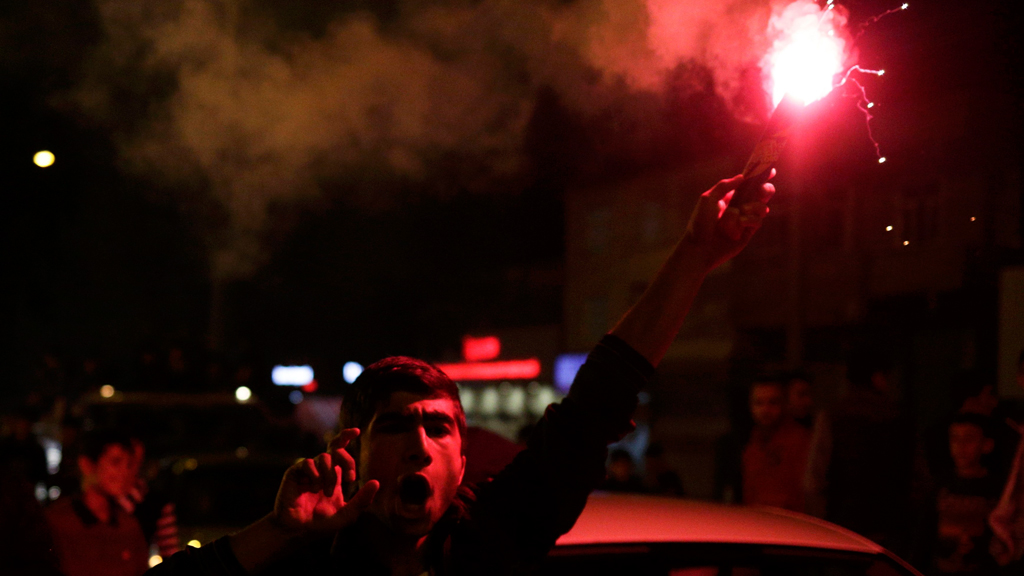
661,479
775,457
1007,520
622,476
974,392
860,470
92,535
800,399
964,499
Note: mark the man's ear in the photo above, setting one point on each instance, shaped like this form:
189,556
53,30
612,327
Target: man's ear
462,472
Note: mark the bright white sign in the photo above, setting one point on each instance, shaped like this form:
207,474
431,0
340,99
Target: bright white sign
291,375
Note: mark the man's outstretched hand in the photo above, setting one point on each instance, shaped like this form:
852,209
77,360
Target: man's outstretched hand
719,230
312,493
311,500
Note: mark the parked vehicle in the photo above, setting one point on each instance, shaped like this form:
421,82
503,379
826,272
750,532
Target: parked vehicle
648,536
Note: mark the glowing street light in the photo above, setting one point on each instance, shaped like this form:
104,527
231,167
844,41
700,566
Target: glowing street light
243,394
43,159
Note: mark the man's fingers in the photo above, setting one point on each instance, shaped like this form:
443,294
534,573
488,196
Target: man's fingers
364,497
723,187
328,475
347,463
730,225
766,192
307,468
758,209
343,438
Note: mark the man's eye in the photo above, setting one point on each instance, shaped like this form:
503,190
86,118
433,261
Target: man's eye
437,431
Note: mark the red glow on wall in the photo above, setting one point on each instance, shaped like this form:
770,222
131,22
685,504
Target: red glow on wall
477,349
504,370
311,387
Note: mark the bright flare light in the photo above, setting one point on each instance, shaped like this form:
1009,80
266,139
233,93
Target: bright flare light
43,159
808,51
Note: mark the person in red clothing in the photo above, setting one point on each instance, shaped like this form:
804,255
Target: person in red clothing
775,457
92,535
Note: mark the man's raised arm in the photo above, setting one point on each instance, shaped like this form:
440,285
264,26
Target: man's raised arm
538,497
717,231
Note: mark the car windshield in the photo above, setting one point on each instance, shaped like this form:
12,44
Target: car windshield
714,560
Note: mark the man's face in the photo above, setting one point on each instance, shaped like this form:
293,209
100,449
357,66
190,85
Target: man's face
967,444
799,401
766,404
413,448
112,472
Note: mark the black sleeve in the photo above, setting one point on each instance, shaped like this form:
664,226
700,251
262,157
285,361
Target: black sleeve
215,559
519,515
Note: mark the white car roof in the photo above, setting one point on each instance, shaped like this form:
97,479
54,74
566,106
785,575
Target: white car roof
620,518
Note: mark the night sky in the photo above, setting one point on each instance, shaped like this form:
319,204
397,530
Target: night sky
354,179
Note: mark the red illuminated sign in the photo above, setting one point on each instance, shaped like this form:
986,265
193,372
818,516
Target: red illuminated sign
477,349
504,370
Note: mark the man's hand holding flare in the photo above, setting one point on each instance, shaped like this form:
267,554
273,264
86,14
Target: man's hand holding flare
719,230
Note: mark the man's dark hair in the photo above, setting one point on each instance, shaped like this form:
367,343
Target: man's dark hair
865,362
96,442
767,380
374,387
984,423
968,384
793,375
1020,361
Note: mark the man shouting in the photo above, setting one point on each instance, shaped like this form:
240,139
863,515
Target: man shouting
386,498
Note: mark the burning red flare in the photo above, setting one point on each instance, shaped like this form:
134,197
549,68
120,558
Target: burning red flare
807,53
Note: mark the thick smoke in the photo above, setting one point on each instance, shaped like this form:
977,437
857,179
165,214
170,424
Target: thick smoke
261,114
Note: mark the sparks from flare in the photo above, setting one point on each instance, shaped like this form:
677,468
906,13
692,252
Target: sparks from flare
808,55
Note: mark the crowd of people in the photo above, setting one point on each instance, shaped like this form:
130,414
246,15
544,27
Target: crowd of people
950,499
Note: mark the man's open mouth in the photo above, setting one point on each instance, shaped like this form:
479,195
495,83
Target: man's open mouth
414,489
